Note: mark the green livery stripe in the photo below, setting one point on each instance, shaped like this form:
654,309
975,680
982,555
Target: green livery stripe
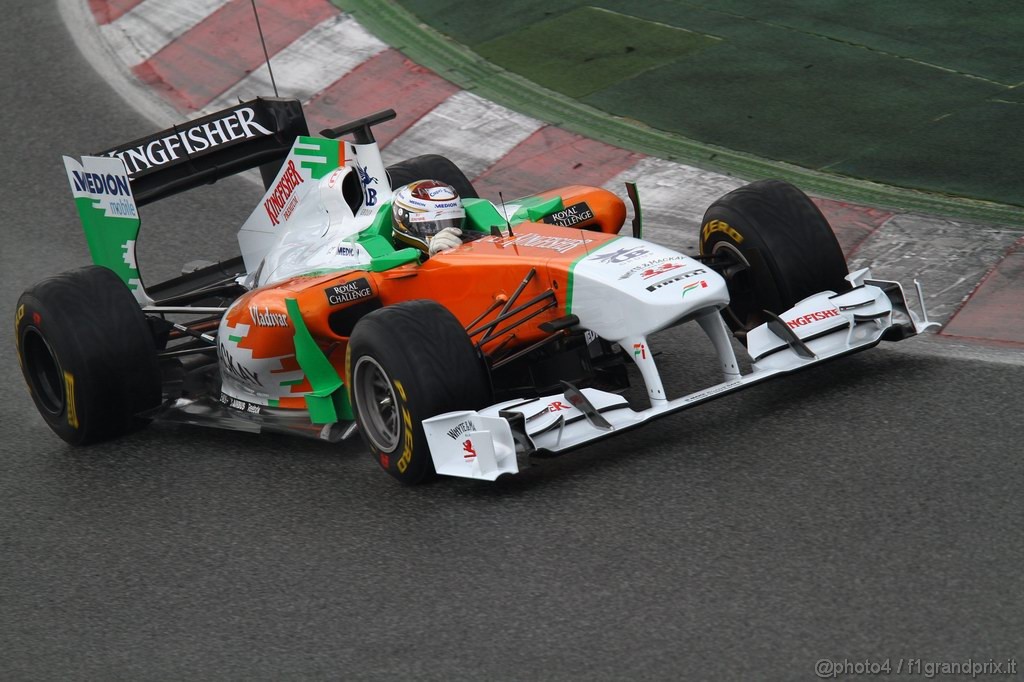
572,274
533,207
481,215
328,402
378,241
292,382
109,240
543,208
326,155
381,224
235,339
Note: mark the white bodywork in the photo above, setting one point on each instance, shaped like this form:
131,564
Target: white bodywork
487,443
303,223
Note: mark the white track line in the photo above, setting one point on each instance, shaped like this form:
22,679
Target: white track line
151,26
101,55
324,54
469,130
949,257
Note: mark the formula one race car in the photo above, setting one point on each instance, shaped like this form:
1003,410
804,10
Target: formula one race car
515,343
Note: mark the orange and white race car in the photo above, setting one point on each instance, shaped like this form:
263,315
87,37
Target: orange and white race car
519,342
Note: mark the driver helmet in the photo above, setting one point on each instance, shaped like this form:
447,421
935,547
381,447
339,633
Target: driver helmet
423,208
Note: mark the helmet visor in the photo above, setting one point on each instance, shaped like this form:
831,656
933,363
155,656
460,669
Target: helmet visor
426,226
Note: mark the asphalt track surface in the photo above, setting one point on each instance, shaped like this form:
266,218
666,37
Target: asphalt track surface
870,509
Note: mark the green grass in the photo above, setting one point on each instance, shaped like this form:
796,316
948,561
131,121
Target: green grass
910,106
589,49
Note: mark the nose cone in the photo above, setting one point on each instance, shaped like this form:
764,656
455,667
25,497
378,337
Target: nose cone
630,287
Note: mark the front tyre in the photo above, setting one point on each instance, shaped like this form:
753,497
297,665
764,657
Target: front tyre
777,248
87,354
406,363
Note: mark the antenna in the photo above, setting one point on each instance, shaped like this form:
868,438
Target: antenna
266,55
505,212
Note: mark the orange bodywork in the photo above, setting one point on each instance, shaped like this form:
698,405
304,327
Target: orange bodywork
467,281
608,209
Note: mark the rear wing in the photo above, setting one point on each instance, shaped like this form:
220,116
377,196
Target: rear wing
259,132
110,186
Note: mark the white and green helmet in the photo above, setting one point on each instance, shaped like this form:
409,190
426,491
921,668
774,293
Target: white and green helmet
423,208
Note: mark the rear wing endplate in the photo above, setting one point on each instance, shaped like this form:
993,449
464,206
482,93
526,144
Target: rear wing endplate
110,186
110,218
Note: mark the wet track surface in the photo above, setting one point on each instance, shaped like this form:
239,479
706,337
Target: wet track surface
869,509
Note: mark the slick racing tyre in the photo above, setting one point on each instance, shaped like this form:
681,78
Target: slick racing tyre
87,354
778,247
406,363
431,167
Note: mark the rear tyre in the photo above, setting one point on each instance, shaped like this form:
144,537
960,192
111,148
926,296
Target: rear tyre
779,247
87,354
406,363
432,167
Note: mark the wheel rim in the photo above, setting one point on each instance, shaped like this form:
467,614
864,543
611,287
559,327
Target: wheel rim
44,372
376,404
743,295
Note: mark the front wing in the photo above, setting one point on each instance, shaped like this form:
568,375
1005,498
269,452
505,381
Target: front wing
487,443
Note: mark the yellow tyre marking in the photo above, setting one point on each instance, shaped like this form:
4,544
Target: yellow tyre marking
69,392
348,373
403,461
720,226
17,320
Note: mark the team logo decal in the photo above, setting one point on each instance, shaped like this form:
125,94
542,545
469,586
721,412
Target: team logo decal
677,278
367,179
691,287
572,215
281,201
352,290
809,318
621,256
